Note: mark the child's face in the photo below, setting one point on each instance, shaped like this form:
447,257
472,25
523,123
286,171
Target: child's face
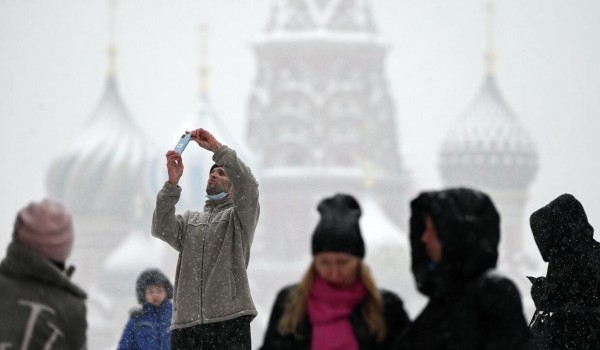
155,295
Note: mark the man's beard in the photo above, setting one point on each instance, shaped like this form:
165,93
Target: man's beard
214,189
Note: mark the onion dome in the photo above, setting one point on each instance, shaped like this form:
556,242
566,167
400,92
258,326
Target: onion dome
104,170
487,147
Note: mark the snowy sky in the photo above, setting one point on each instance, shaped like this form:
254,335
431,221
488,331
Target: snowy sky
53,67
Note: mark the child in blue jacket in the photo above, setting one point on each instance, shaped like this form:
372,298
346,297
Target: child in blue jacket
148,327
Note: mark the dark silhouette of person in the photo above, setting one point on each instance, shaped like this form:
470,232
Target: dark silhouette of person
567,299
454,236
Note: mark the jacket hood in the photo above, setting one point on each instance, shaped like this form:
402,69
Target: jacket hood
152,277
561,224
468,227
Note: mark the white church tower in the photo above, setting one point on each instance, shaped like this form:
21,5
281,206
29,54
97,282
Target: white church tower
488,148
321,121
320,117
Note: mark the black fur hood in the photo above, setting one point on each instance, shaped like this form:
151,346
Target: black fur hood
468,227
560,225
152,277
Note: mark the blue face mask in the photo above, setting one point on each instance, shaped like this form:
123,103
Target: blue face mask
216,197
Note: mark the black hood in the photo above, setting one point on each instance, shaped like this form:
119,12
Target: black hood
468,227
152,277
560,225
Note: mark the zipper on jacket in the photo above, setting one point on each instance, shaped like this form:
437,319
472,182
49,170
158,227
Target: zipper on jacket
158,328
202,266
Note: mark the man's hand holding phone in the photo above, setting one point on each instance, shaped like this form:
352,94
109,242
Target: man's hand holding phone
174,166
205,139
174,162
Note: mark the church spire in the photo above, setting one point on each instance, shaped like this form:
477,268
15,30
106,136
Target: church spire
203,59
112,46
490,55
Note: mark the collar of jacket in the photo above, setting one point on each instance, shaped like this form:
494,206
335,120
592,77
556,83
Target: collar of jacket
219,203
21,262
147,307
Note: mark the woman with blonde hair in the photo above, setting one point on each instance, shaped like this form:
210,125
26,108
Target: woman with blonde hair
336,305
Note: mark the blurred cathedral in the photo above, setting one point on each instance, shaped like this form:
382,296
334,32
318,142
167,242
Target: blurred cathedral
321,120
487,148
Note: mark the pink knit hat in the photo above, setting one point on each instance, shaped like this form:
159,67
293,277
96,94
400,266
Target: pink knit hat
46,228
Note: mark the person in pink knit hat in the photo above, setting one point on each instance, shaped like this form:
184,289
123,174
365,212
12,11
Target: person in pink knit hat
42,308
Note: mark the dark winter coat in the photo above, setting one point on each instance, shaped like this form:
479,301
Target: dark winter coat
148,328
568,298
394,315
40,307
470,307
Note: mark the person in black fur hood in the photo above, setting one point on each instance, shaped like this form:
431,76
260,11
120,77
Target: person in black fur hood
567,300
454,236
149,327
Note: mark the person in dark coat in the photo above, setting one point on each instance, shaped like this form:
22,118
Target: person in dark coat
567,299
454,236
336,305
40,308
149,327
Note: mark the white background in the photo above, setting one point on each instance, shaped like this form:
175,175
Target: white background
53,66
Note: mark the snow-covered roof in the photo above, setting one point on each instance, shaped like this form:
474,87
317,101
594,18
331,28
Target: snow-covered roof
330,16
377,229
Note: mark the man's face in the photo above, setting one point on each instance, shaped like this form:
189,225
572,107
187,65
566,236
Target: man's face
218,182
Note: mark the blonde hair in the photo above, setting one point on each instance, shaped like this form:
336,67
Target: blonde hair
371,306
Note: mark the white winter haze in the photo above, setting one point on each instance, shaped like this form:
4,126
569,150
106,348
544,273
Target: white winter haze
53,66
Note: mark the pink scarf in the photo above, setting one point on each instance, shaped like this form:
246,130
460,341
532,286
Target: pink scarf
328,310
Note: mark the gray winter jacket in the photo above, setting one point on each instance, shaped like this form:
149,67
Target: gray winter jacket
40,308
211,283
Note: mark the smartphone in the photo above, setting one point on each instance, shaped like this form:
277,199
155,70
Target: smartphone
183,141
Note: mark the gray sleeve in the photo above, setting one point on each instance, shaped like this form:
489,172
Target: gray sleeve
245,191
166,225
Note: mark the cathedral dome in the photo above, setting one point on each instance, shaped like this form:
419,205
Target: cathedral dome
487,147
104,171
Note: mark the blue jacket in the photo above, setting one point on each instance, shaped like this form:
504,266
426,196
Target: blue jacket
148,328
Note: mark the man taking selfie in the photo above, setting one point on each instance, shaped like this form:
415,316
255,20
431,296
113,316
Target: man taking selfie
212,306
